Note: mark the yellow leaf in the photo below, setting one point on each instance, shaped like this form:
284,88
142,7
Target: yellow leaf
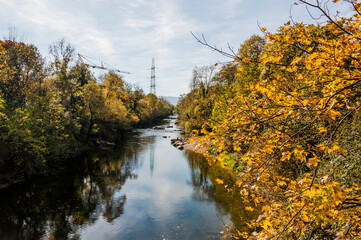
219,181
333,114
314,160
305,218
335,148
266,224
343,152
285,156
322,129
239,183
266,208
251,209
282,183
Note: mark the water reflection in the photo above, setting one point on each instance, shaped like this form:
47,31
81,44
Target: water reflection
45,209
118,195
206,189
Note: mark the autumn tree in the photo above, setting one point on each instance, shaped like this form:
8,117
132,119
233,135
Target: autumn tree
63,78
21,72
291,135
49,114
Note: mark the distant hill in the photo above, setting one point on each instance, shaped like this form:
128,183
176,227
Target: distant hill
172,100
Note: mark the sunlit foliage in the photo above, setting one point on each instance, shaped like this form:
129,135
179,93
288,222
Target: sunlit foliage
51,112
287,124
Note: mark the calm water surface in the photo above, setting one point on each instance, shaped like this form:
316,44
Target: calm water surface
147,189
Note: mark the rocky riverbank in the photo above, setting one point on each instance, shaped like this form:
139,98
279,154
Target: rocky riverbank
183,143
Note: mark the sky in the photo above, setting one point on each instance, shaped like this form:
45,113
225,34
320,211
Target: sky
127,34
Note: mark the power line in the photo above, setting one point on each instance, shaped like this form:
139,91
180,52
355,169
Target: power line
83,58
152,78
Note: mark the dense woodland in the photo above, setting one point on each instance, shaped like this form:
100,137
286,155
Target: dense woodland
285,115
50,111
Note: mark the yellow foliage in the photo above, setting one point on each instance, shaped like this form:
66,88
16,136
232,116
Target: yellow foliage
308,82
251,209
282,131
219,181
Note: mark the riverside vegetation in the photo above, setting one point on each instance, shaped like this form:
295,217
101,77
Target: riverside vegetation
50,112
285,117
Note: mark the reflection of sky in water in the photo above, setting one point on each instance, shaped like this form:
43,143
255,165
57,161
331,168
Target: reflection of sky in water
159,203
146,189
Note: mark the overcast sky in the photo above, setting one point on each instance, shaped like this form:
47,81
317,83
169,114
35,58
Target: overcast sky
128,34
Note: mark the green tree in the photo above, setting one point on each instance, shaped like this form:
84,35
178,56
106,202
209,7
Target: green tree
21,72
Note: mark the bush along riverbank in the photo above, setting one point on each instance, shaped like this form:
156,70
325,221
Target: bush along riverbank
52,111
285,116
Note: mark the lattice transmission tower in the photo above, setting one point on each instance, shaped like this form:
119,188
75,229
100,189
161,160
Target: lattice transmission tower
152,78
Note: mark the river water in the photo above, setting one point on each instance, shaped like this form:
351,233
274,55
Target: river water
146,189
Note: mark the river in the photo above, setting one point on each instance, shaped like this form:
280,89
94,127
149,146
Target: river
145,189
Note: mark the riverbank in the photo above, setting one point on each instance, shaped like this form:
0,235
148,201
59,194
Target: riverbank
143,189
58,110
70,162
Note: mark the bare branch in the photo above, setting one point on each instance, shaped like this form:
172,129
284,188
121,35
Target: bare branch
325,11
204,42
342,120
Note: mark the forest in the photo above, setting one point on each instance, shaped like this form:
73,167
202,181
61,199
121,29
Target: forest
53,109
284,115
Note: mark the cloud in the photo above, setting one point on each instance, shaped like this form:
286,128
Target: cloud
128,34
78,28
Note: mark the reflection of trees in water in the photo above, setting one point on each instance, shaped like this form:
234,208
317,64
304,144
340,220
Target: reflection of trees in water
114,208
29,210
202,186
205,188
56,208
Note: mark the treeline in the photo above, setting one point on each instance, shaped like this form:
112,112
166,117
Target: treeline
285,116
49,112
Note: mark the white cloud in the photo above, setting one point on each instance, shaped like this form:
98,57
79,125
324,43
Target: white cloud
127,34
77,28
